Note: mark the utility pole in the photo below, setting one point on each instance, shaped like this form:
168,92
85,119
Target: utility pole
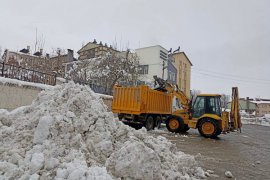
36,42
163,68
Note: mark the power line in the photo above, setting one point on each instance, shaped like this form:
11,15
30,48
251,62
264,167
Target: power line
231,75
236,80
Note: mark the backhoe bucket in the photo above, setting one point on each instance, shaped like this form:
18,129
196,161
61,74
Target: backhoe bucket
235,118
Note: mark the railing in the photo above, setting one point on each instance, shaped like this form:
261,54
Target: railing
23,74
96,88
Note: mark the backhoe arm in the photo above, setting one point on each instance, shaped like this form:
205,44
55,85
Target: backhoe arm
173,89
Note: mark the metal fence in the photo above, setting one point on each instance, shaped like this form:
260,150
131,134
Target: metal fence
23,74
96,88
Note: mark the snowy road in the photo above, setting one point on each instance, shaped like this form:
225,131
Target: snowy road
246,154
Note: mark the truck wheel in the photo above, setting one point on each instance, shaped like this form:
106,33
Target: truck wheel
158,122
149,123
175,124
186,128
209,128
120,116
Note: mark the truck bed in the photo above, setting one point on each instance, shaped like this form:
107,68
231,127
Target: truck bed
141,100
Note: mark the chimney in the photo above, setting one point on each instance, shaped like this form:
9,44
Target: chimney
47,56
100,43
70,55
41,51
28,48
95,42
70,51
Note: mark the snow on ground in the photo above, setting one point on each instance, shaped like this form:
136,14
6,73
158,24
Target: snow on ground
66,133
264,121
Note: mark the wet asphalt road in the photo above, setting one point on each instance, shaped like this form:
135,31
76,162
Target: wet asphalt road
246,154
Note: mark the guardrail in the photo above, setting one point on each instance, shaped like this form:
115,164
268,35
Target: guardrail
23,74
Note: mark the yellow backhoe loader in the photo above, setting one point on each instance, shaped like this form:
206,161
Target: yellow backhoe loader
204,113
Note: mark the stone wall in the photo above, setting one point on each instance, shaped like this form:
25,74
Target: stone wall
14,95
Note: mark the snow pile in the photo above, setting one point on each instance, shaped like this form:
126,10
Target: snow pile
67,134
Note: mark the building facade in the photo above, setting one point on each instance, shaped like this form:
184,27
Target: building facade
183,66
38,61
246,105
263,106
259,106
154,61
94,50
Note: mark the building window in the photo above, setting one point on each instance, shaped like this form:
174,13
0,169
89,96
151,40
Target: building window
143,69
163,55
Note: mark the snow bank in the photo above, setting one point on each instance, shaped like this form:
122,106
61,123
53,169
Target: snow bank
258,121
66,133
23,83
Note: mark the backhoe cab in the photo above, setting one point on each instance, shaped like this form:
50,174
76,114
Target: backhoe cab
206,115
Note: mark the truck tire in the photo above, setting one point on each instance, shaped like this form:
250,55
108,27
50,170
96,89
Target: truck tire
209,128
186,128
158,122
175,124
149,123
120,116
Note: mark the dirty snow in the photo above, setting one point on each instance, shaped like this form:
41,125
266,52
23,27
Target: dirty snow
67,133
263,121
23,83
228,174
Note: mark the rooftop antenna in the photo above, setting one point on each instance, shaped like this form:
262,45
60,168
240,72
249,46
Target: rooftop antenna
36,41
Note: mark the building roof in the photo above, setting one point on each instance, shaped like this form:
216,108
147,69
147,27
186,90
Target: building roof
243,104
184,55
24,54
92,45
261,102
151,47
212,95
88,46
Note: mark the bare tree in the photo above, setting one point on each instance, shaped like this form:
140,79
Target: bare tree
107,71
39,41
79,71
194,93
1,54
225,99
116,68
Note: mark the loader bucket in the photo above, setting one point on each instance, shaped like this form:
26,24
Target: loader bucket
235,118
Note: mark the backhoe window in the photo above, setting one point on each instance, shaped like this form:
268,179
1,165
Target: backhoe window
212,106
199,106
206,105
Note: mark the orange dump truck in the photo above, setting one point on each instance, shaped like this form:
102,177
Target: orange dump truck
141,105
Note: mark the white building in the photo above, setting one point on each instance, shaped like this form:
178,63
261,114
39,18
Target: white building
153,60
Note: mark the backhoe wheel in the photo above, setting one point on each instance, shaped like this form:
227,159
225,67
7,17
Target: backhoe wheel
158,122
175,124
149,123
209,128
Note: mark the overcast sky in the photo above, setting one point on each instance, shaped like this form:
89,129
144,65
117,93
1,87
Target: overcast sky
228,41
